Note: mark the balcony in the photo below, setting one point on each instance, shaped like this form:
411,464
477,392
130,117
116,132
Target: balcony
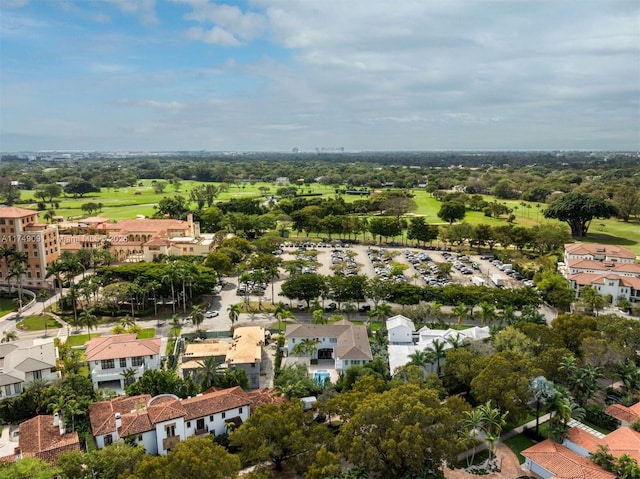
170,442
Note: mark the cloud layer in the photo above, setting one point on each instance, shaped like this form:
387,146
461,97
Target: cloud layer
363,74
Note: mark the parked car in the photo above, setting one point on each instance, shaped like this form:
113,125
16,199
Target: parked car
331,307
211,314
365,308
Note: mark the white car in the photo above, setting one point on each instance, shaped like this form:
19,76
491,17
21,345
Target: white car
211,314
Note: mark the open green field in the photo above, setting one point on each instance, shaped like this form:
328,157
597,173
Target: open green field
127,203
38,323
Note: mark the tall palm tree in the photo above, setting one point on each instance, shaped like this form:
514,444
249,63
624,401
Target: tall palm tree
420,358
17,270
472,422
543,391
460,310
493,421
234,311
74,410
272,272
88,319
209,373
437,350
197,316
36,388
171,276
56,268
487,312
6,252
457,341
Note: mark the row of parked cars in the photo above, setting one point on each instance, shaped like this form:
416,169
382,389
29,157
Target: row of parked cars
426,267
509,271
382,264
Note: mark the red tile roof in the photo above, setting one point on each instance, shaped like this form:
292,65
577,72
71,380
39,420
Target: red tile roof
593,249
121,346
215,402
261,397
40,438
624,413
164,408
13,212
623,440
102,413
563,463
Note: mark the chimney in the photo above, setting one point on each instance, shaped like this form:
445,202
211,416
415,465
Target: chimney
56,420
118,420
17,453
62,429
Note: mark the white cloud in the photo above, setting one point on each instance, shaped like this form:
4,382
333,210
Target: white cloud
143,9
215,35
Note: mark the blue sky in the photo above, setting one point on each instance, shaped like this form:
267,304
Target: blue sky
271,75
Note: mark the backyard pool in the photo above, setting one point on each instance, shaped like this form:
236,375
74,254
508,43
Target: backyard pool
321,377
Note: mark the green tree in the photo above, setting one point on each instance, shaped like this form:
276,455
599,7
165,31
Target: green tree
590,297
208,373
28,468
403,432
88,319
451,211
303,287
493,422
578,209
275,433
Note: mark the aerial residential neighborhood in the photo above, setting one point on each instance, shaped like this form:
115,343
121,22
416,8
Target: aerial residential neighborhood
280,340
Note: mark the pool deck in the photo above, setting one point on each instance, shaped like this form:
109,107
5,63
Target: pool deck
327,365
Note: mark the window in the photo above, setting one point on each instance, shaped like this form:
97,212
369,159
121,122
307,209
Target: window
188,423
333,340
137,361
108,364
139,437
123,362
211,418
7,390
224,414
18,388
108,439
240,410
200,424
37,375
170,430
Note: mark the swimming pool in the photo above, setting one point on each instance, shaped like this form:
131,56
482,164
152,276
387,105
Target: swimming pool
322,377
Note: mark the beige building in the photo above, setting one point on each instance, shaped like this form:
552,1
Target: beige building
246,352
195,353
20,230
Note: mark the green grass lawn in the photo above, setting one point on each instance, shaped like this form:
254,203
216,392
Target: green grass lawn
146,333
7,305
518,444
80,339
38,323
126,203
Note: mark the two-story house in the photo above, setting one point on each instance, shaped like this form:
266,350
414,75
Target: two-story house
347,344
159,423
111,358
246,352
23,361
610,270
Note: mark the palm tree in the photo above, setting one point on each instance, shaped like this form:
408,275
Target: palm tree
171,276
89,319
420,358
197,316
460,310
8,336
382,312
272,273
457,341
17,270
306,347
487,312
128,375
6,252
209,373
472,422
437,350
493,423
36,388
245,279
234,311
74,409
56,268
565,408
318,317
592,299
543,390
629,374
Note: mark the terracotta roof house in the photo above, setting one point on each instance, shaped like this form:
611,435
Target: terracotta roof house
344,342
109,356
610,270
598,252
44,437
246,352
23,361
549,459
161,422
626,415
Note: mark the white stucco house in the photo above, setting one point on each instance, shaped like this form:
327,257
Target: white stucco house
109,356
404,340
159,423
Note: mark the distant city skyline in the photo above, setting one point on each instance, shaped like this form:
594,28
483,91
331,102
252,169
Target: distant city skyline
363,75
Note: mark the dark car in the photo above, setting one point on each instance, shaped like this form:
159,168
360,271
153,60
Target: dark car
331,307
365,308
